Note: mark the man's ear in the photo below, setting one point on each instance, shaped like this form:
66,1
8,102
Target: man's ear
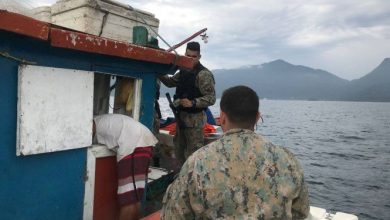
223,120
258,116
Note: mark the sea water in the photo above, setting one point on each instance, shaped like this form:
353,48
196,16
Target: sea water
344,148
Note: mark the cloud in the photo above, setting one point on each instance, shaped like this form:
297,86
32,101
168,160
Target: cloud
332,35
354,59
332,23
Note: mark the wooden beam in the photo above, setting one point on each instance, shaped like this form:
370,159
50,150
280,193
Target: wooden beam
94,44
24,25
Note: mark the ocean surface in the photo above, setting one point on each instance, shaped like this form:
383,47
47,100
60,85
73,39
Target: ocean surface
344,148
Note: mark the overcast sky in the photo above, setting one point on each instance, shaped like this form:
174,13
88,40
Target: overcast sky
348,38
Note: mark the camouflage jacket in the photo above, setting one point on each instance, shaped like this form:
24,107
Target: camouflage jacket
239,176
204,82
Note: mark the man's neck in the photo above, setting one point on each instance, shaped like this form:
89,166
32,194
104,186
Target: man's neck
233,126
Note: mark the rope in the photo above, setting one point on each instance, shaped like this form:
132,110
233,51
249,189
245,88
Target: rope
7,55
135,186
143,201
144,22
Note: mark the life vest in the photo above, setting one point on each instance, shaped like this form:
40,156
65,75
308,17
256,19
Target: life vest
186,87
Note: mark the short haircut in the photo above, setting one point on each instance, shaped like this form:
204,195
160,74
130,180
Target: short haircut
241,105
195,46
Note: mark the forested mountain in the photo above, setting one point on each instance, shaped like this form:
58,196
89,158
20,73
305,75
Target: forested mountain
281,80
374,86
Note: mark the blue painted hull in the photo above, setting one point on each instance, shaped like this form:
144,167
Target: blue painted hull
51,185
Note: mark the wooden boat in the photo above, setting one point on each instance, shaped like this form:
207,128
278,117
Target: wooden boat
47,83
53,80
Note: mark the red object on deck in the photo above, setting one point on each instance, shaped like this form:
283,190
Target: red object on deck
207,129
106,184
171,128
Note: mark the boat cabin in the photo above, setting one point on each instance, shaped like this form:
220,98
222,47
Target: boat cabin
53,80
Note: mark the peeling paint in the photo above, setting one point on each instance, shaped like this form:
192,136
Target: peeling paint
98,41
95,44
89,38
95,41
73,36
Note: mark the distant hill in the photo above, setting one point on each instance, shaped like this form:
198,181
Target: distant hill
281,80
375,86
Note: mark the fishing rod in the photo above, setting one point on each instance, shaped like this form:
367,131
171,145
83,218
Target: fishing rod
204,38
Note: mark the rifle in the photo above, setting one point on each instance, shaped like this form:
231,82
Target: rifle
174,110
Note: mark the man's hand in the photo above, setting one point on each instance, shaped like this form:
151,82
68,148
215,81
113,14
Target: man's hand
186,103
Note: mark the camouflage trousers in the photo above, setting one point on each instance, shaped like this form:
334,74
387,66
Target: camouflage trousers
187,141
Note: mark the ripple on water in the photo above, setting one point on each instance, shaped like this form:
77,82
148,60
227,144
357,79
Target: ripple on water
362,215
372,187
326,140
336,178
334,154
351,137
343,153
318,165
311,182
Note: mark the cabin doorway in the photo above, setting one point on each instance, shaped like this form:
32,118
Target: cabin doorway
118,95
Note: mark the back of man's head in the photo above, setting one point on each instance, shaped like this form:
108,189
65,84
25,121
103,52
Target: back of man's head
241,105
194,46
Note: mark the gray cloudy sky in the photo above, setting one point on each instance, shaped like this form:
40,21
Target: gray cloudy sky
347,38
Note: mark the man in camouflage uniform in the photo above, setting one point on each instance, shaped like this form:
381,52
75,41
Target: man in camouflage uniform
241,175
194,93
